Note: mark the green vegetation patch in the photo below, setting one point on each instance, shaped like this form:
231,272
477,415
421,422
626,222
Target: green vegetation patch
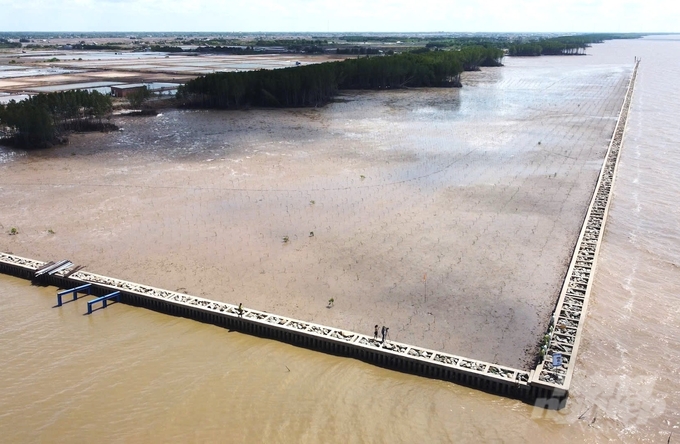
565,45
43,120
316,85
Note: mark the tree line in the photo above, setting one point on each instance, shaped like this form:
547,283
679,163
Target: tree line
101,47
5,43
44,119
359,50
565,45
165,48
317,84
515,46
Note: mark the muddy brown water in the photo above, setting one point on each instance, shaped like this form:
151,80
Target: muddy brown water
447,215
449,183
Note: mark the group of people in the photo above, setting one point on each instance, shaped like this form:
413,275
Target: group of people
384,331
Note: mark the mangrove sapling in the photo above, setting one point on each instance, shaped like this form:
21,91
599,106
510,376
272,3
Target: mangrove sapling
13,231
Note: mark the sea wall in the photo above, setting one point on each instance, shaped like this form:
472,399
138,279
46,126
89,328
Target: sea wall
570,312
389,354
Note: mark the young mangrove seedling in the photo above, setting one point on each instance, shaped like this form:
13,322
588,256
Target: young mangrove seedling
13,231
286,239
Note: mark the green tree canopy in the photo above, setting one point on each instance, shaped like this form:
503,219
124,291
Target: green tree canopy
42,120
314,85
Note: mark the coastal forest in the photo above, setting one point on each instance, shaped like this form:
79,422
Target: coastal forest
565,45
316,85
44,119
379,62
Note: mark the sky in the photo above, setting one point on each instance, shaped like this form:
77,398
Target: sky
341,15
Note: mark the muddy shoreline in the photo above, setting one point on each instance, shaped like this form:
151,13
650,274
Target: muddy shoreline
436,213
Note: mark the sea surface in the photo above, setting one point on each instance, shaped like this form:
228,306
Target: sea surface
126,374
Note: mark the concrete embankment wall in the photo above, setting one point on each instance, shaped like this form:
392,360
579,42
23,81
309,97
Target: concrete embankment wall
571,309
393,355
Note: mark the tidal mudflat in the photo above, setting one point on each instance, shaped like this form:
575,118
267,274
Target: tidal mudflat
448,215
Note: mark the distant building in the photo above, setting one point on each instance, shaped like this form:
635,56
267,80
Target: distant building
126,90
